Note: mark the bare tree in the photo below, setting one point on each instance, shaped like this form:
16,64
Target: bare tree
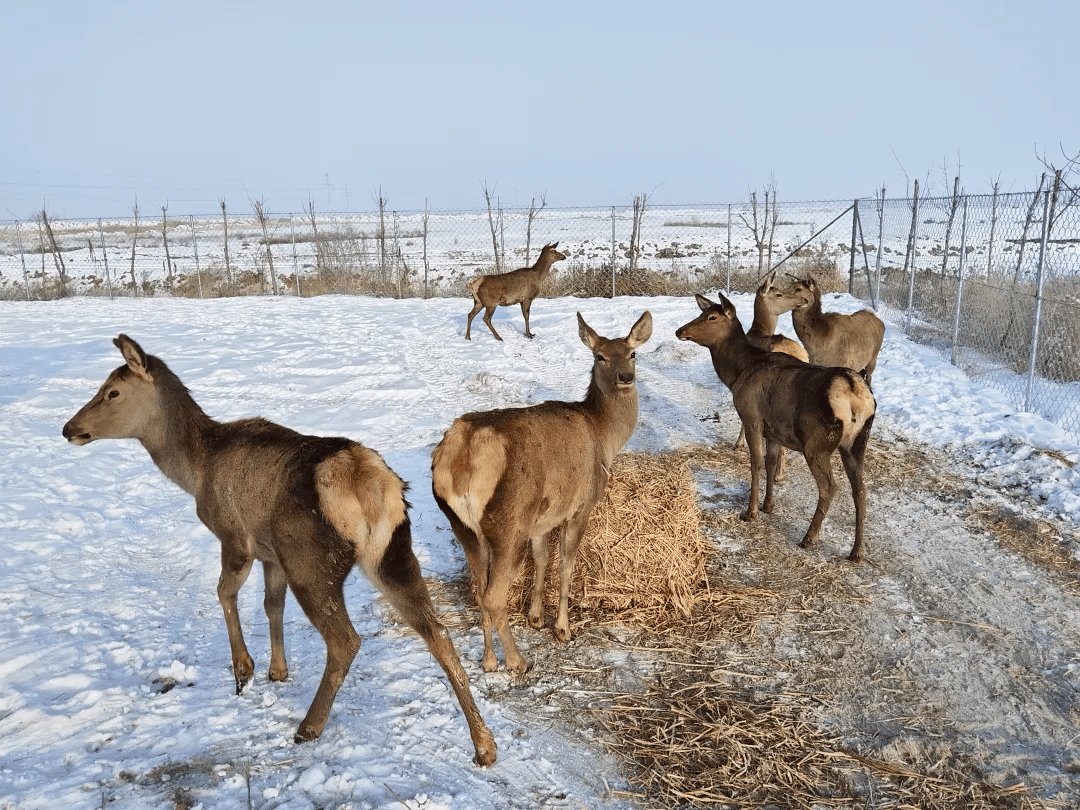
1065,192
426,292
135,241
260,214
762,224
165,239
310,209
58,257
225,220
382,200
953,205
491,222
534,212
638,212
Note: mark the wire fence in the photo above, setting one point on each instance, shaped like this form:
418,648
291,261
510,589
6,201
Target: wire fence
987,281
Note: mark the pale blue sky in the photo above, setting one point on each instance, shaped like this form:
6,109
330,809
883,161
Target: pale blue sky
592,102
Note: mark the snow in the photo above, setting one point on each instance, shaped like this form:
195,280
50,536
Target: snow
115,680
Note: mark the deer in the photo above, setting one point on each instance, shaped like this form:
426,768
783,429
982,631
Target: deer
308,508
768,305
832,338
519,286
786,403
505,479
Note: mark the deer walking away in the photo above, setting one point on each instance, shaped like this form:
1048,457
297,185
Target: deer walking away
308,508
516,287
505,479
784,402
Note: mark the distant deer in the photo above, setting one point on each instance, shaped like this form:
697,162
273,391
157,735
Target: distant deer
832,338
789,403
307,507
768,305
516,287
506,478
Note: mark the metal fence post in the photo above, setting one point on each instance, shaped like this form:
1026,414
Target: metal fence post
880,241
727,282
959,285
105,256
195,247
851,268
613,251
914,239
1033,353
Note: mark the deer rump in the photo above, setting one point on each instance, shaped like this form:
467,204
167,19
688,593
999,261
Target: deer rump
502,474
790,402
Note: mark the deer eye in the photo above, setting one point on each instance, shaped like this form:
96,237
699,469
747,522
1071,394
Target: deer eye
601,359
712,316
114,394
633,355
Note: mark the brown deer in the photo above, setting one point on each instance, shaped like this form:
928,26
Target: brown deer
788,403
516,287
506,478
832,338
307,507
768,306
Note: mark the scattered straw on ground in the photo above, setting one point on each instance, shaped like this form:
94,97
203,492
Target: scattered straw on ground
1037,541
692,740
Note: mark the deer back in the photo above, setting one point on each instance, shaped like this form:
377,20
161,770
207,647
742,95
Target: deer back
833,338
543,463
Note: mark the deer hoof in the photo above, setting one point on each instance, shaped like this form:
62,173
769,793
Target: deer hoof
303,736
748,515
279,674
536,622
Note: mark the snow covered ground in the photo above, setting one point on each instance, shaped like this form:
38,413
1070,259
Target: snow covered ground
115,679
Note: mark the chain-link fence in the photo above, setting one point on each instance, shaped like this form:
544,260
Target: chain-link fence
639,249
989,281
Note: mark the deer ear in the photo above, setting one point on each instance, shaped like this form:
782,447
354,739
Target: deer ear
586,333
641,331
134,355
703,302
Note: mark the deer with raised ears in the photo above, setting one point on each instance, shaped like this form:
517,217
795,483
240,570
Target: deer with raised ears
516,287
784,402
308,508
505,479
768,306
832,338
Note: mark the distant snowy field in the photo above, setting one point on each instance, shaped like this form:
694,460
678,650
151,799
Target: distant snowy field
108,584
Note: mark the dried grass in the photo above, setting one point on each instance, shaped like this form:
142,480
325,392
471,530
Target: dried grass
692,740
642,560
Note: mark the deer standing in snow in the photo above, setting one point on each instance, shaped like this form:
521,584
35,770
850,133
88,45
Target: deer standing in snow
308,508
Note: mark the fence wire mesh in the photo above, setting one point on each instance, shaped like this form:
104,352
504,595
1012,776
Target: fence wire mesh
987,281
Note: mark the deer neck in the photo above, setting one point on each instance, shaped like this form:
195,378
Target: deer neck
178,442
803,318
614,415
764,320
732,356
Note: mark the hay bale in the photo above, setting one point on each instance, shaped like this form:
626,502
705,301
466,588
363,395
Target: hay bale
642,558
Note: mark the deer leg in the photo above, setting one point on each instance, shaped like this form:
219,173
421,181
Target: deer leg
568,550
505,564
235,567
409,595
739,441
320,592
781,465
275,584
477,306
540,550
773,453
853,466
819,460
487,319
525,307
754,441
